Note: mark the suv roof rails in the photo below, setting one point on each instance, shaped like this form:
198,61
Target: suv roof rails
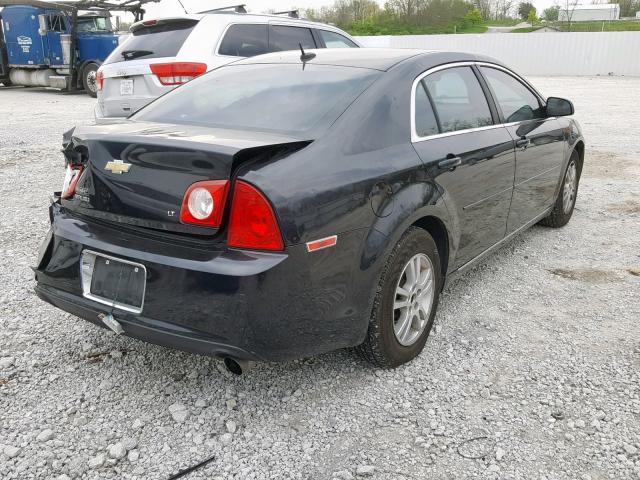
288,13
236,8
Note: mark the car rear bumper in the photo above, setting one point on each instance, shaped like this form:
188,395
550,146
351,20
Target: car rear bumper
249,305
120,108
142,328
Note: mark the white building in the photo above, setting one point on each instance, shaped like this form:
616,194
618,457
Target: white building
584,13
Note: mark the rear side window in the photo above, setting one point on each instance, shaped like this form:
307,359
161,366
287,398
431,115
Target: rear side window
289,38
154,41
335,40
426,123
458,99
516,101
244,41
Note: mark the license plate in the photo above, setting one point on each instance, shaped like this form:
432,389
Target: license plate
126,86
113,281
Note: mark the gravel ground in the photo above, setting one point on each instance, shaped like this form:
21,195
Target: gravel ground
532,370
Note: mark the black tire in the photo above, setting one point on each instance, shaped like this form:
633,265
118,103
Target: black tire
560,215
89,79
381,346
6,82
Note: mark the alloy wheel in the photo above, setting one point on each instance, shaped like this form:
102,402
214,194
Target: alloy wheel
570,187
413,299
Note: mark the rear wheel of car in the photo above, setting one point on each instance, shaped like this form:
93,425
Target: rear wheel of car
89,79
405,303
566,201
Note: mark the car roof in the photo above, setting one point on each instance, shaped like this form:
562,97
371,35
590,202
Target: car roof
374,58
233,17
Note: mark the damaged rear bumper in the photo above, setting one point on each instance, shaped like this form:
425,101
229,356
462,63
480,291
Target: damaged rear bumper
214,300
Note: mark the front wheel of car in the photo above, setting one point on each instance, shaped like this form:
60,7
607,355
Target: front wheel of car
566,201
89,79
405,303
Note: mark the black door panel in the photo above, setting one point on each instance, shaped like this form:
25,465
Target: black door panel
478,191
539,144
538,169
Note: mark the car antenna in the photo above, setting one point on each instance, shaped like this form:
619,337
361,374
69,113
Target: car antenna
185,10
305,57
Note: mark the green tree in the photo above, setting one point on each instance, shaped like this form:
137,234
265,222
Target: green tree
551,14
473,16
532,18
524,8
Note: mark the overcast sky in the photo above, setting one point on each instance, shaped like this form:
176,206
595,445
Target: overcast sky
172,7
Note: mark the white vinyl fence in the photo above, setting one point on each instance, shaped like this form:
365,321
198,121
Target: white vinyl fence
556,53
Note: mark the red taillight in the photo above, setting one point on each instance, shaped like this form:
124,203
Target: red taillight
203,203
177,73
99,79
253,224
71,177
150,23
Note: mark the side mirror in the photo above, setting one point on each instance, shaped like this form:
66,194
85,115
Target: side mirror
559,107
42,25
117,23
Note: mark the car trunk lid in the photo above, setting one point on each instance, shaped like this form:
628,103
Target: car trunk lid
137,173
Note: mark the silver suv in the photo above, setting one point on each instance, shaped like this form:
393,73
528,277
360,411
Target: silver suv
163,53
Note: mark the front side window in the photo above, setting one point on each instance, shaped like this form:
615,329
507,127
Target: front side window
244,41
278,98
94,24
335,40
426,123
515,100
55,23
458,99
289,38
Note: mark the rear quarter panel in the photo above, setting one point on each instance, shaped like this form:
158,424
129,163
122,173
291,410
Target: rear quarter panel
332,187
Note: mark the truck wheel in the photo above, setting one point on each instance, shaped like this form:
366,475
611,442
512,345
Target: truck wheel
6,82
406,302
89,79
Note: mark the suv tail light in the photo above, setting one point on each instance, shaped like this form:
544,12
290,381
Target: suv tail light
253,224
71,177
99,79
177,73
203,203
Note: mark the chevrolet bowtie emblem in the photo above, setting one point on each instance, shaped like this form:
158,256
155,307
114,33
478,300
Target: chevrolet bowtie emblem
118,167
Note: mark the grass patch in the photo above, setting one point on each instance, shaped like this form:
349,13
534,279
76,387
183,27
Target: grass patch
600,26
525,30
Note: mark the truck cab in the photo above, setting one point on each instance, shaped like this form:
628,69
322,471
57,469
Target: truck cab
36,47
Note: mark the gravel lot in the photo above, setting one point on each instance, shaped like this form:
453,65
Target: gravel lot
532,371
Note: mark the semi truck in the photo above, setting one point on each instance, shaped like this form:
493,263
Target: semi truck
58,44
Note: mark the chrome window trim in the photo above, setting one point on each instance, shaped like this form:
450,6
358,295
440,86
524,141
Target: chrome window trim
87,262
415,138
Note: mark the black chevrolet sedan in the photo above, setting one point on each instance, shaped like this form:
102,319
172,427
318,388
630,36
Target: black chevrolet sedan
288,205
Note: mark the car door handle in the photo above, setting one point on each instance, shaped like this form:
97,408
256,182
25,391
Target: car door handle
450,162
523,142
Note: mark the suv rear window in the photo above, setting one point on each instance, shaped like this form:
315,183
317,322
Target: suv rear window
154,41
269,98
244,41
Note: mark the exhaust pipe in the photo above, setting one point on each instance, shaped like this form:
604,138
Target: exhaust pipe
237,366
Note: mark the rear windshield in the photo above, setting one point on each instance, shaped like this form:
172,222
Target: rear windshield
163,40
287,99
